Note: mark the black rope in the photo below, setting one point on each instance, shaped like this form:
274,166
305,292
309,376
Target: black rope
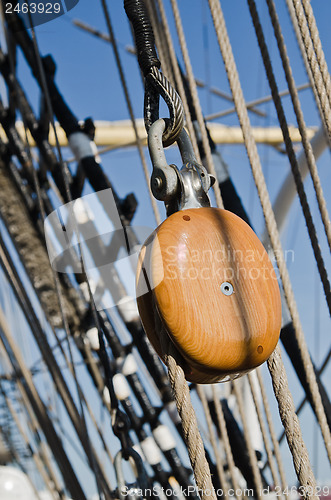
156,84
143,34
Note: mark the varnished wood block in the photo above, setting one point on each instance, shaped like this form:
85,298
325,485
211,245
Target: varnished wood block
210,282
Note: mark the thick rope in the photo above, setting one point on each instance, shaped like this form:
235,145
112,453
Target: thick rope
225,438
185,409
290,151
311,377
317,46
272,432
313,63
254,159
237,385
157,85
267,446
196,102
213,440
301,122
190,426
178,79
160,40
291,425
302,48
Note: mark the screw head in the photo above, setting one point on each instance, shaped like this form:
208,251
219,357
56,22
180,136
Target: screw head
157,183
227,288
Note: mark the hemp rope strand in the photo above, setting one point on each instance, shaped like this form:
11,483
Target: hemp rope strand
314,66
225,437
191,433
272,432
251,148
212,437
267,446
311,376
196,102
301,122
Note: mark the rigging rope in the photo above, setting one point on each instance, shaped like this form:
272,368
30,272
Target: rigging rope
96,465
166,484
156,84
301,122
225,438
303,53
212,438
130,109
93,458
317,47
47,476
239,101
237,385
292,427
310,225
196,102
289,147
178,77
276,448
188,418
40,410
267,446
199,464
322,91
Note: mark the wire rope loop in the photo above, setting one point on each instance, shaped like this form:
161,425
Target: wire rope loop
141,485
156,85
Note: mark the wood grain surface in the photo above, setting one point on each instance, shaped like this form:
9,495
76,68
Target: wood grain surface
209,280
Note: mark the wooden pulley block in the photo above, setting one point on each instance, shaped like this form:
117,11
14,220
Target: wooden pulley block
205,277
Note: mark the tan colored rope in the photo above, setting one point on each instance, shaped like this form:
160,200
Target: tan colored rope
272,432
185,409
251,452
313,63
160,41
178,79
212,437
301,122
190,426
225,438
196,102
302,48
130,109
254,159
291,425
267,446
317,46
311,376
290,150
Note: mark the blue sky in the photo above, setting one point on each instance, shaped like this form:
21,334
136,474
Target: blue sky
88,78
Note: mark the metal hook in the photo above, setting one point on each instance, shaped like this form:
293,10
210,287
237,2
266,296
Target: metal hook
179,189
135,491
